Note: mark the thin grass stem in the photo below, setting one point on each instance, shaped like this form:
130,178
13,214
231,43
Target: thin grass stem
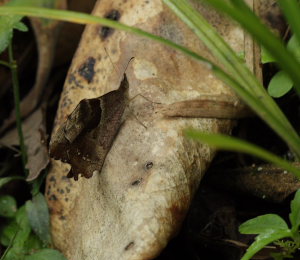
16,92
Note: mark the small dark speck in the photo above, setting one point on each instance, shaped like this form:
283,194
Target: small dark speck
71,78
106,31
148,165
53,197
68,190
62,191
130,245
136,182
62,218
66,199
52,178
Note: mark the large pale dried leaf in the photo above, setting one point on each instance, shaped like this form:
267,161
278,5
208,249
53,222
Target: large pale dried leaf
139,200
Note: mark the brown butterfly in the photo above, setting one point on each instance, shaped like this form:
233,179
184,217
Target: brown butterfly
85,138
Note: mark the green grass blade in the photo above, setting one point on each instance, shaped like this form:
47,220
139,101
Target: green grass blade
291,10
210,37
233,144
250,22
281,126
285,132
82,18
221,50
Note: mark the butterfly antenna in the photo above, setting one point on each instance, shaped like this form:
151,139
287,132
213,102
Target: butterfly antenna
115,68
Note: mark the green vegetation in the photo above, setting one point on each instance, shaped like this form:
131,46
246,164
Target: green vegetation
271,227
25,231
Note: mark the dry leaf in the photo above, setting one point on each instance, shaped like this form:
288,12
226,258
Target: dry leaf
35,142
267,182
46,32
136,204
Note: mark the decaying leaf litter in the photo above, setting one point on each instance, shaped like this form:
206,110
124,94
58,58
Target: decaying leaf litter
146,112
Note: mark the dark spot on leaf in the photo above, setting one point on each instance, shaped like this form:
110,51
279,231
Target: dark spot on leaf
62,218
53,197
68,190
52,178
86,70
106,31
136,182
148,165
130,245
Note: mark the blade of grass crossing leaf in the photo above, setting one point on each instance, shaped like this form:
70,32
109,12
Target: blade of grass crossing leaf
238,3
290,136
241,73
82,18
85,18
212,40
233,144
263,35
222,51
291,10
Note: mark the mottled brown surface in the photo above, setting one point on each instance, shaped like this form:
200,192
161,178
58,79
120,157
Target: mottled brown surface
136,205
